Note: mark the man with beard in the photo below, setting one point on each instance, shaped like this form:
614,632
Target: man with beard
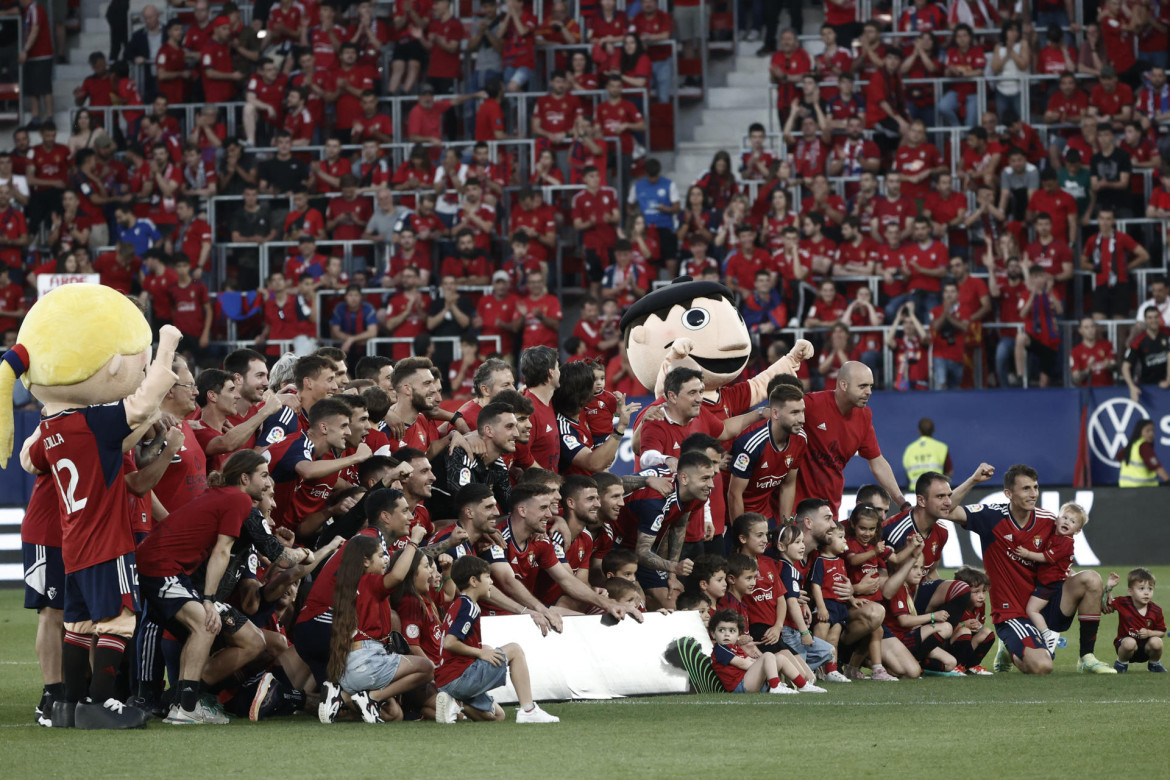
611,497
218,396
581,507
417,486
496,429
765,460
470,264
491,378
839,425
522,407
415,385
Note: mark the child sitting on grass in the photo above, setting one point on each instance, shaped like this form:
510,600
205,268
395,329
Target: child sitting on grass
468,669
1056,562
1140,624
741,674
923,635
831,613
974,638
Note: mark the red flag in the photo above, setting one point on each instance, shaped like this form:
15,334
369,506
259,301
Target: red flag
1082,471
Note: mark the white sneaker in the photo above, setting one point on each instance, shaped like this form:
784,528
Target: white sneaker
331,703
178,716
535,715
371,710
836,676
202,714
752,35
810,688
781,688
446,708
1049,641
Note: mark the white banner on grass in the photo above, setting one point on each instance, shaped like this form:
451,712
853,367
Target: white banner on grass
589,660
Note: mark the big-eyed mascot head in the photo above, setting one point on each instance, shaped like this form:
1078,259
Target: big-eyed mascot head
696,324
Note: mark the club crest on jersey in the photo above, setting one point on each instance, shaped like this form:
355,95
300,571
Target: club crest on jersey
742,461
412,631
788,461
1036,540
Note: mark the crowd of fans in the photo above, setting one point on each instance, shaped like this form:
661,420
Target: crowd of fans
889,215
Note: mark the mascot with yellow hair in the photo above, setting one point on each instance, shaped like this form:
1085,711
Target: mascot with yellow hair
84,353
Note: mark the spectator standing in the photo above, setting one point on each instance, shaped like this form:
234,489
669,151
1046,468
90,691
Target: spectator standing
1111,255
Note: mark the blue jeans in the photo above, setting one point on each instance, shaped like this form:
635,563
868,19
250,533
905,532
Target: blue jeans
923,302
1055,19
925,113
948,374
1155,59
1005,359
873,359
663,74
895,304
1004,102
473,685
948,110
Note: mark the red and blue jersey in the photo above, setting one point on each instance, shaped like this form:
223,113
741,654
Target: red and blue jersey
1130,621
574,437
826,572
735,605
1012,577
757,457
722,658
537,554
279,427
897,531
792,579
82,448
577,555
462,622
875,565
1058,560
647,512
283,458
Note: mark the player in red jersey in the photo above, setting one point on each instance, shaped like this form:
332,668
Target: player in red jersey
44,587
218,398
764,461
1141,626
83,450
935,500
1003,527
205,531
839,424
581,508
1055,562
541,373
579,453
186,476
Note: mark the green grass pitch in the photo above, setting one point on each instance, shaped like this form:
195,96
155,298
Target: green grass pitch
1064,725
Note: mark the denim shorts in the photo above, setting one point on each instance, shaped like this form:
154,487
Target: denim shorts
369,668
522,76
814,655
740,689
472,686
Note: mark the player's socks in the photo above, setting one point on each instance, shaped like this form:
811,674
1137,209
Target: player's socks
1089,624
980,652
773,682
56,690
962,653
956,606
830,667
933,665
75,666
799,681
107,658
188,694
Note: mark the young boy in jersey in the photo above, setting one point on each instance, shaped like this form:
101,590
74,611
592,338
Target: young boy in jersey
468,669
741,674
621,563
741,580
831,613
1140,624
973,638
708,578
1055,562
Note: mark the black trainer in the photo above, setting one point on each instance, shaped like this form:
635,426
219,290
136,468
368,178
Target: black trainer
63,714
113,714
44,711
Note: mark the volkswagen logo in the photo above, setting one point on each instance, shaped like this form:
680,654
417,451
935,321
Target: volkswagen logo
1109,428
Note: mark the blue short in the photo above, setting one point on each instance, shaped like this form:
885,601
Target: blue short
473,685
1139,655
814,655
838,612
44,577
652,578
1056,620
167,595
1018,635
102,591
740,689
369,668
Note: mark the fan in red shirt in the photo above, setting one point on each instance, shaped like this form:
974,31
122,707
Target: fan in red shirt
541,313
518,31
1060,207
786,68
893,208
918,161
1110,255
352,80
174,78
220,78
1093,361
119,268
839,425
13,231
191,306
746,261
1049,253
619,118
348,215
1115,32
537,220
406,312
1068,105
319,82
495,313
596,210
1111,99
555,113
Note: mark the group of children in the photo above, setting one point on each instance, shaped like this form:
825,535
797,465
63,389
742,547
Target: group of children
776,614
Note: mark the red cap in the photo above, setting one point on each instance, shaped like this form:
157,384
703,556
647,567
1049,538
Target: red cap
220,21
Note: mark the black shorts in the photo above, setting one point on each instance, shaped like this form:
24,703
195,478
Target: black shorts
594,264
38,77
1057,621
1047,358
1113,301
100,592
1140,656
411,50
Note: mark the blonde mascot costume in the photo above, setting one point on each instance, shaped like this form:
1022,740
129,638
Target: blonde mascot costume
84,353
